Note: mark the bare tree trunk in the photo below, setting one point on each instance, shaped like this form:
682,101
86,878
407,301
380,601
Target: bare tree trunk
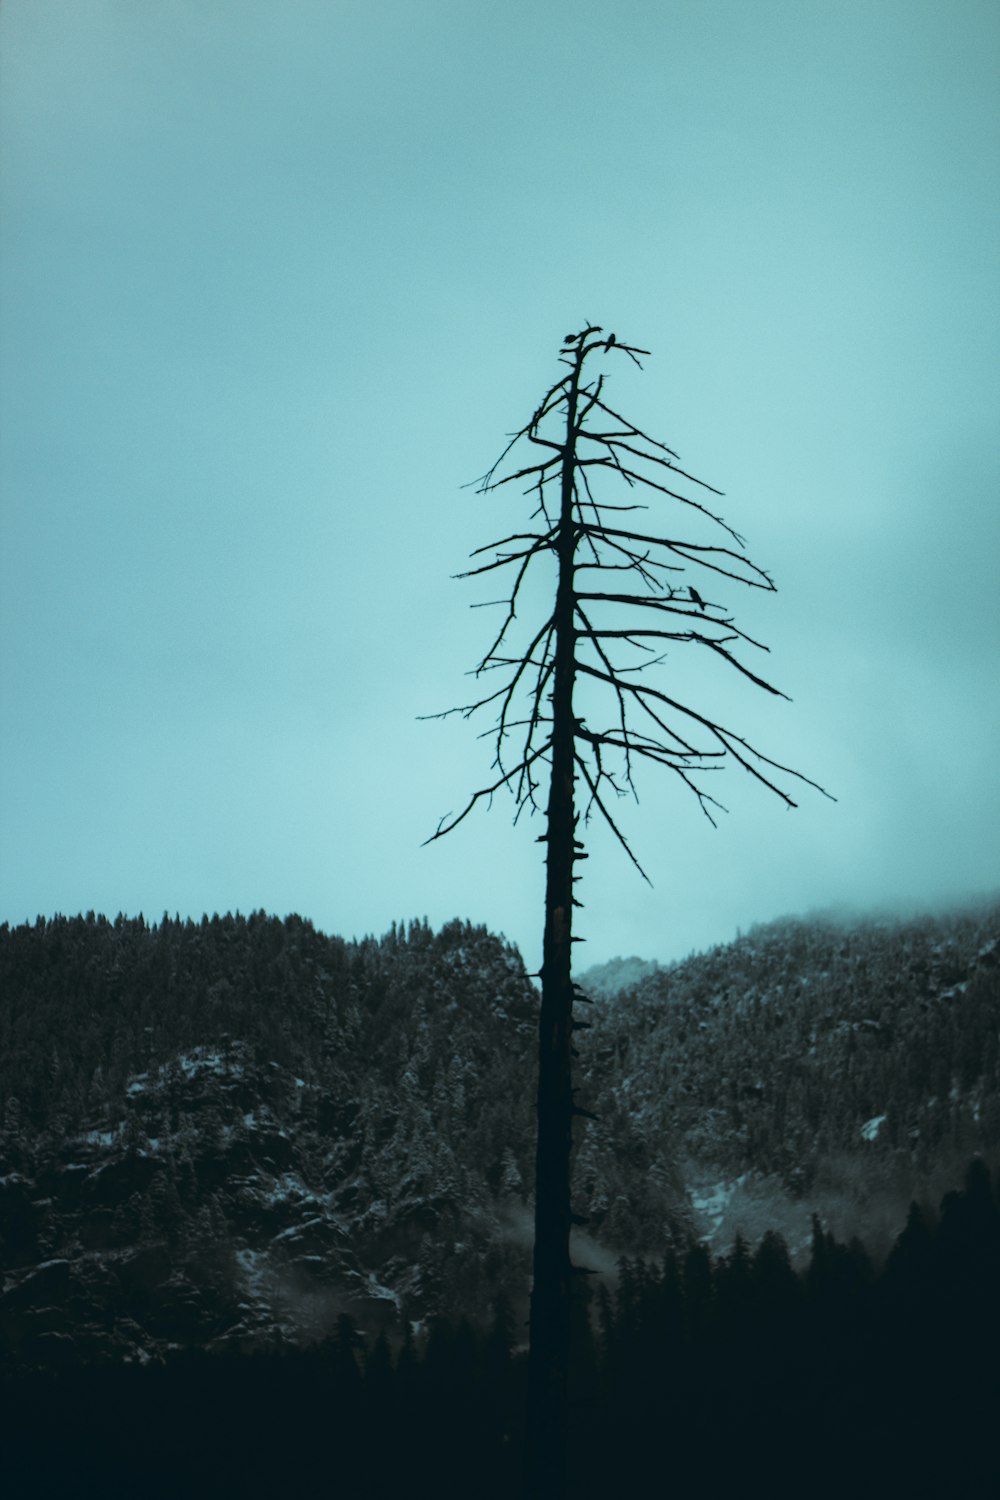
576,638
551,1288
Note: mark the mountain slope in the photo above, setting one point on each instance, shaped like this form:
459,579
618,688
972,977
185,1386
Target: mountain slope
257,1123
855,1062
225,1134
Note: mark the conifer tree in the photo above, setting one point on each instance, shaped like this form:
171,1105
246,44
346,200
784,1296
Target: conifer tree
584,465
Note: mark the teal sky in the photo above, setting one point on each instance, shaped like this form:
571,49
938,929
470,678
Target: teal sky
275,282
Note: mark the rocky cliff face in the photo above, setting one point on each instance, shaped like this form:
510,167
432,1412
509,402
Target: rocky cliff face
167,1226
215,1213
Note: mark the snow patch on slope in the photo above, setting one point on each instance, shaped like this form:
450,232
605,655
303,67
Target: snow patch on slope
710,1203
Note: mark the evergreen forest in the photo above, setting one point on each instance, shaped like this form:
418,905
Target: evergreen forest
691,1375
265,1209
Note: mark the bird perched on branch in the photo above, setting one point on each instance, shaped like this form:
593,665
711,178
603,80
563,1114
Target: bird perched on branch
696,598
611,339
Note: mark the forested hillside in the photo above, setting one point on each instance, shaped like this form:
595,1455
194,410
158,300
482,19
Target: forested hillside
223,1133
339,1123
849,1065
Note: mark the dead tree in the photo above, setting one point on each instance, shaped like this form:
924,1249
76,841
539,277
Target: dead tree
592,464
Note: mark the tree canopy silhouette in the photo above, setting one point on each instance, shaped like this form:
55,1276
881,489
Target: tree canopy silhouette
599,636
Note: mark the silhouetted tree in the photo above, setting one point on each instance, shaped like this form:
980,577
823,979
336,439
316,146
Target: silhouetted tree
378,1376
597,639
733,1287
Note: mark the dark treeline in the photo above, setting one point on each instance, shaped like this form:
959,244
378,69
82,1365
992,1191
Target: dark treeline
86,1003
691,1376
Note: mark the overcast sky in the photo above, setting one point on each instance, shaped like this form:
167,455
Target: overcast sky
275,283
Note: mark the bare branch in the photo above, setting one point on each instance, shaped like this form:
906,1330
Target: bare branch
606,505
516,536
496,484
688,635
762,580
595,798
668,606
725,737
613,678
444,826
